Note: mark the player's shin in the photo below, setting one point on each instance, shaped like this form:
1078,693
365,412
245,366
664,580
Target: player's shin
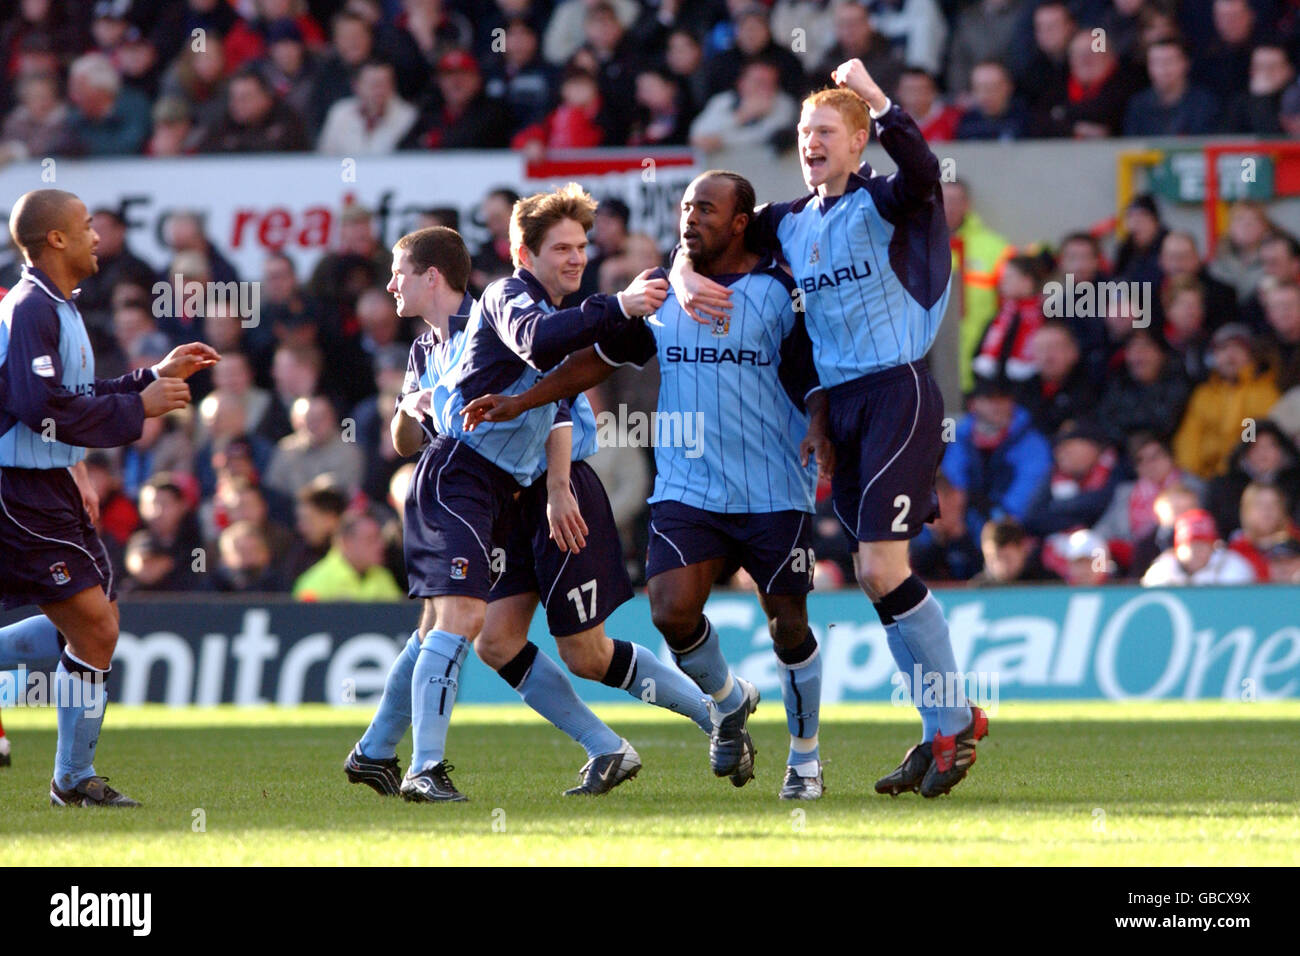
924,630
637,671
393,715
801,691
702,662
907,669
80,698
434,683
33,641
546,689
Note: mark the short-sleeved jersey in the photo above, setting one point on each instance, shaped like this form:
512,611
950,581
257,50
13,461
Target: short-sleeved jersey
731,409
502,344
51,405
871,266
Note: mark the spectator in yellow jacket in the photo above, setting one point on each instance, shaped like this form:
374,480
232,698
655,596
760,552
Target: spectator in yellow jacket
977,256
353,569
1225,408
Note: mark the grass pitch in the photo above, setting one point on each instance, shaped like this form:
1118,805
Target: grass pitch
1206,783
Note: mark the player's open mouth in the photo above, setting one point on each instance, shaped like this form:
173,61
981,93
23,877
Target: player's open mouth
814,162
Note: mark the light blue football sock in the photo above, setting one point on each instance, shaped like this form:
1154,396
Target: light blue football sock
393,716
434,683
33,641
922,627
80,698
801,692
546,689
636,670
907,668
703,663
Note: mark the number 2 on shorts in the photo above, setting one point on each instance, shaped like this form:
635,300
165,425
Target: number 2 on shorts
904,504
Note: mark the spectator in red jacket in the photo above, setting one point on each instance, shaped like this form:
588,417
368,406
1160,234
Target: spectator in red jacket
247,40
918,95
461,115
1004,350
571,125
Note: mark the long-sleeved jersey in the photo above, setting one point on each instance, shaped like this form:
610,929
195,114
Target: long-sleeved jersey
871,267
503,344
51,405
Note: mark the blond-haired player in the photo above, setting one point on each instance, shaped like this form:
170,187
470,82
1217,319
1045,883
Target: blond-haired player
871,265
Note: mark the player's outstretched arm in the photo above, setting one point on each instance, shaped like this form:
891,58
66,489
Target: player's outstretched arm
180,363
579,372
37,397
918,167
543,339
184,360
568,530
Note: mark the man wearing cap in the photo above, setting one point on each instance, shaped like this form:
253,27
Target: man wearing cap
1198,556
1237,393
1081,484
1075,495
1087,559
461,116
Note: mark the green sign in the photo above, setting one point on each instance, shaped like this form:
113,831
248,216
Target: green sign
1180,176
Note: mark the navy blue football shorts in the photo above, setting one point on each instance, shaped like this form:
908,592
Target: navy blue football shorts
456,507
578,591
887,429
49,550
774,547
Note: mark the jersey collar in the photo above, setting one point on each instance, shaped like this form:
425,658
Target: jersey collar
457,321
764,265
857,180
535,287
46,284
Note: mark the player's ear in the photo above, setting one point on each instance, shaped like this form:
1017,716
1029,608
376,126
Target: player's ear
860,139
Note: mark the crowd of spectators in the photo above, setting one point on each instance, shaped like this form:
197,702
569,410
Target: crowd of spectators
365,77
1088,438
1146,441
